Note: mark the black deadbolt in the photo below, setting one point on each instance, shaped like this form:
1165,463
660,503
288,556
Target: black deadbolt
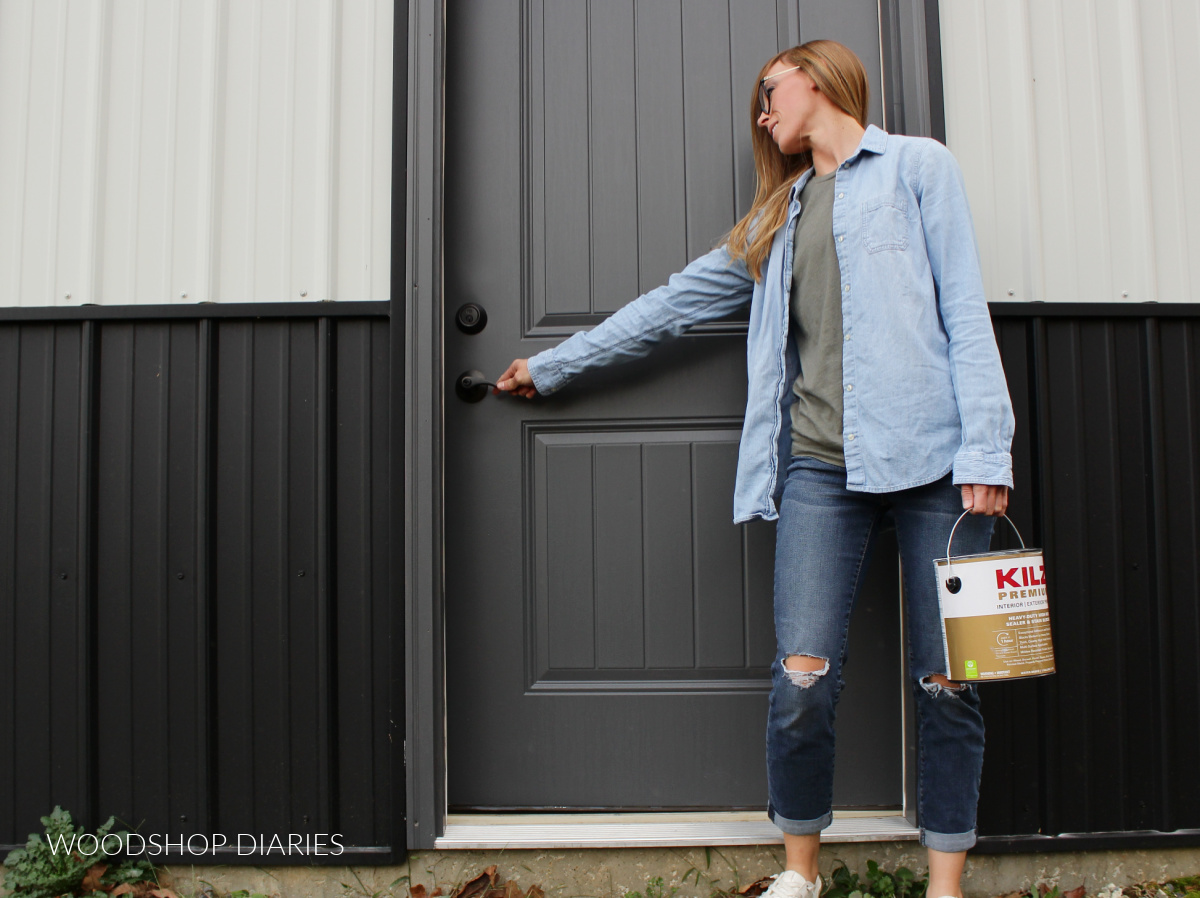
471,318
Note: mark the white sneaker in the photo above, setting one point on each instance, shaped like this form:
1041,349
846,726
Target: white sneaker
790,884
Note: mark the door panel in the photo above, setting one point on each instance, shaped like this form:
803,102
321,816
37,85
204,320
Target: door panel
609,631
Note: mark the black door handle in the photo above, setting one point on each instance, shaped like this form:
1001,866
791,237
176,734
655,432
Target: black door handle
472,386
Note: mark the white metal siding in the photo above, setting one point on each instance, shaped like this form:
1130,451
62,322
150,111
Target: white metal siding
1071,120
156,151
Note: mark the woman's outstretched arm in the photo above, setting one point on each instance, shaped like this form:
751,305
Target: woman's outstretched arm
711,287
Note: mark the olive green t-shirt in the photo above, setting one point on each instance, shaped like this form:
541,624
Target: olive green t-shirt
816,305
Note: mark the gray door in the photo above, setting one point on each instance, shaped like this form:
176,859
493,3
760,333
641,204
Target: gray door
609,631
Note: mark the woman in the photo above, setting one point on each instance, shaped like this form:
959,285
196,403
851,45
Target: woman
869,336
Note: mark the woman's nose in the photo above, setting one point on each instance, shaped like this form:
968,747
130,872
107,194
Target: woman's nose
762,119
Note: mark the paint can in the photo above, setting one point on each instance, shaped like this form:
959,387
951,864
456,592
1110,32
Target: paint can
995,614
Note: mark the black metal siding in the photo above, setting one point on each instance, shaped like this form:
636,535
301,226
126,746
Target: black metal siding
165,480
1107,466
198,613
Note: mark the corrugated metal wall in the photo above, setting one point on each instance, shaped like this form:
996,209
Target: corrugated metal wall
1107,470
200,627
167,151
1075,122
199,624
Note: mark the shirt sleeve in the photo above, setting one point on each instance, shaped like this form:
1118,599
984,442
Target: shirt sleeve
980,388
711,287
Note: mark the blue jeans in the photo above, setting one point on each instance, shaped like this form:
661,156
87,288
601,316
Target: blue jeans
823,542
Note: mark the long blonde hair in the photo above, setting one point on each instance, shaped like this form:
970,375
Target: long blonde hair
838,74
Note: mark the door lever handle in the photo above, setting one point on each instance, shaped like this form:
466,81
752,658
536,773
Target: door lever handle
472,386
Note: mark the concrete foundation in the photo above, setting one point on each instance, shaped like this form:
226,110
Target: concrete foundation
695,872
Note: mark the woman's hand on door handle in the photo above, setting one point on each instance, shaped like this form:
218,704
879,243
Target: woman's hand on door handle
516,380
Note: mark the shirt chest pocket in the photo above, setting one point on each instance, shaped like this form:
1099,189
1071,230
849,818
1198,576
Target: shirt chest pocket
885,223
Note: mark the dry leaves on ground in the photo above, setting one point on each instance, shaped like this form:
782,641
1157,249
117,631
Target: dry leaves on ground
92,882
756,888
487,884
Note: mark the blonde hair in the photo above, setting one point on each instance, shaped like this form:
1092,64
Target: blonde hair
838,74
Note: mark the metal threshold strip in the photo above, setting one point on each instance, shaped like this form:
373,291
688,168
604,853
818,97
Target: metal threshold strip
656,830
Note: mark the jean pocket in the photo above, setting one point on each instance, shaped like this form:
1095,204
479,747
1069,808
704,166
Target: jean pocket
885,223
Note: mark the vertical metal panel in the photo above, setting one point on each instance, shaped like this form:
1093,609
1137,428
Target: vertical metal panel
266,586
180,636
362,590
194,150
1072,123
1173,347
146,582
39,600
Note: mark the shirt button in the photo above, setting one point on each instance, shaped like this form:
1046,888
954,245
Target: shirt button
846,338
846,289
850,437
849,387
840,195
841,237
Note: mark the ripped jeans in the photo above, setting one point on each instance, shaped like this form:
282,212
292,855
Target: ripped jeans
823,542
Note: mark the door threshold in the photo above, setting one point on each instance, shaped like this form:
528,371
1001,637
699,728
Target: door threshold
657,830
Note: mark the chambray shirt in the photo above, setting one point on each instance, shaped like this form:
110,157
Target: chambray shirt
924,390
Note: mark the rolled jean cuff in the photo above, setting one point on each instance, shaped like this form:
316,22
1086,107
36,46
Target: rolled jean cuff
947,841
800,827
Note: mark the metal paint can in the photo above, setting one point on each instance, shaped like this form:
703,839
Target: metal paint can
995,613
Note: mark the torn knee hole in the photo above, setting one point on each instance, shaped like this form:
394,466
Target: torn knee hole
937,683
805,670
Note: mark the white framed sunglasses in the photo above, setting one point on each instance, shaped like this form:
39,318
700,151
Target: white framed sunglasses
764,94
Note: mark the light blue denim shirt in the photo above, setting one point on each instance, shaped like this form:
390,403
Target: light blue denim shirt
924,389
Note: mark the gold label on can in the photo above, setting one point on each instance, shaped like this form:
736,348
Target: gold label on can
997,625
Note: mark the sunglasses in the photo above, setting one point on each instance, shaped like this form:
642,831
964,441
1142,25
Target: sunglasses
764,93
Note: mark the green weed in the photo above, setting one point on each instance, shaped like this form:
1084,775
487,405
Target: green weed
69,861
903,883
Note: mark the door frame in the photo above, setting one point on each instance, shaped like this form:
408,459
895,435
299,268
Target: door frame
912,102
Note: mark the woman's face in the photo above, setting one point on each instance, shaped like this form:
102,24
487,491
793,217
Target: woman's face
792,101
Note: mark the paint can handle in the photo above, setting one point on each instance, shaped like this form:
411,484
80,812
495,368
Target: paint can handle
954,584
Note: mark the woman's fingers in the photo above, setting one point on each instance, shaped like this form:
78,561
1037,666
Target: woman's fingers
516,380
1001,499
981,498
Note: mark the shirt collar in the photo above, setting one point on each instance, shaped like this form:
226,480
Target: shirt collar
874,140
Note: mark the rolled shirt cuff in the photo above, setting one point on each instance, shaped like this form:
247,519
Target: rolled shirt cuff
546,375
989,468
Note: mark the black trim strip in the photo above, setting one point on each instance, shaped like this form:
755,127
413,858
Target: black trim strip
1123,841
85,596
206,517
355,309
384,309
326,465
1094,309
